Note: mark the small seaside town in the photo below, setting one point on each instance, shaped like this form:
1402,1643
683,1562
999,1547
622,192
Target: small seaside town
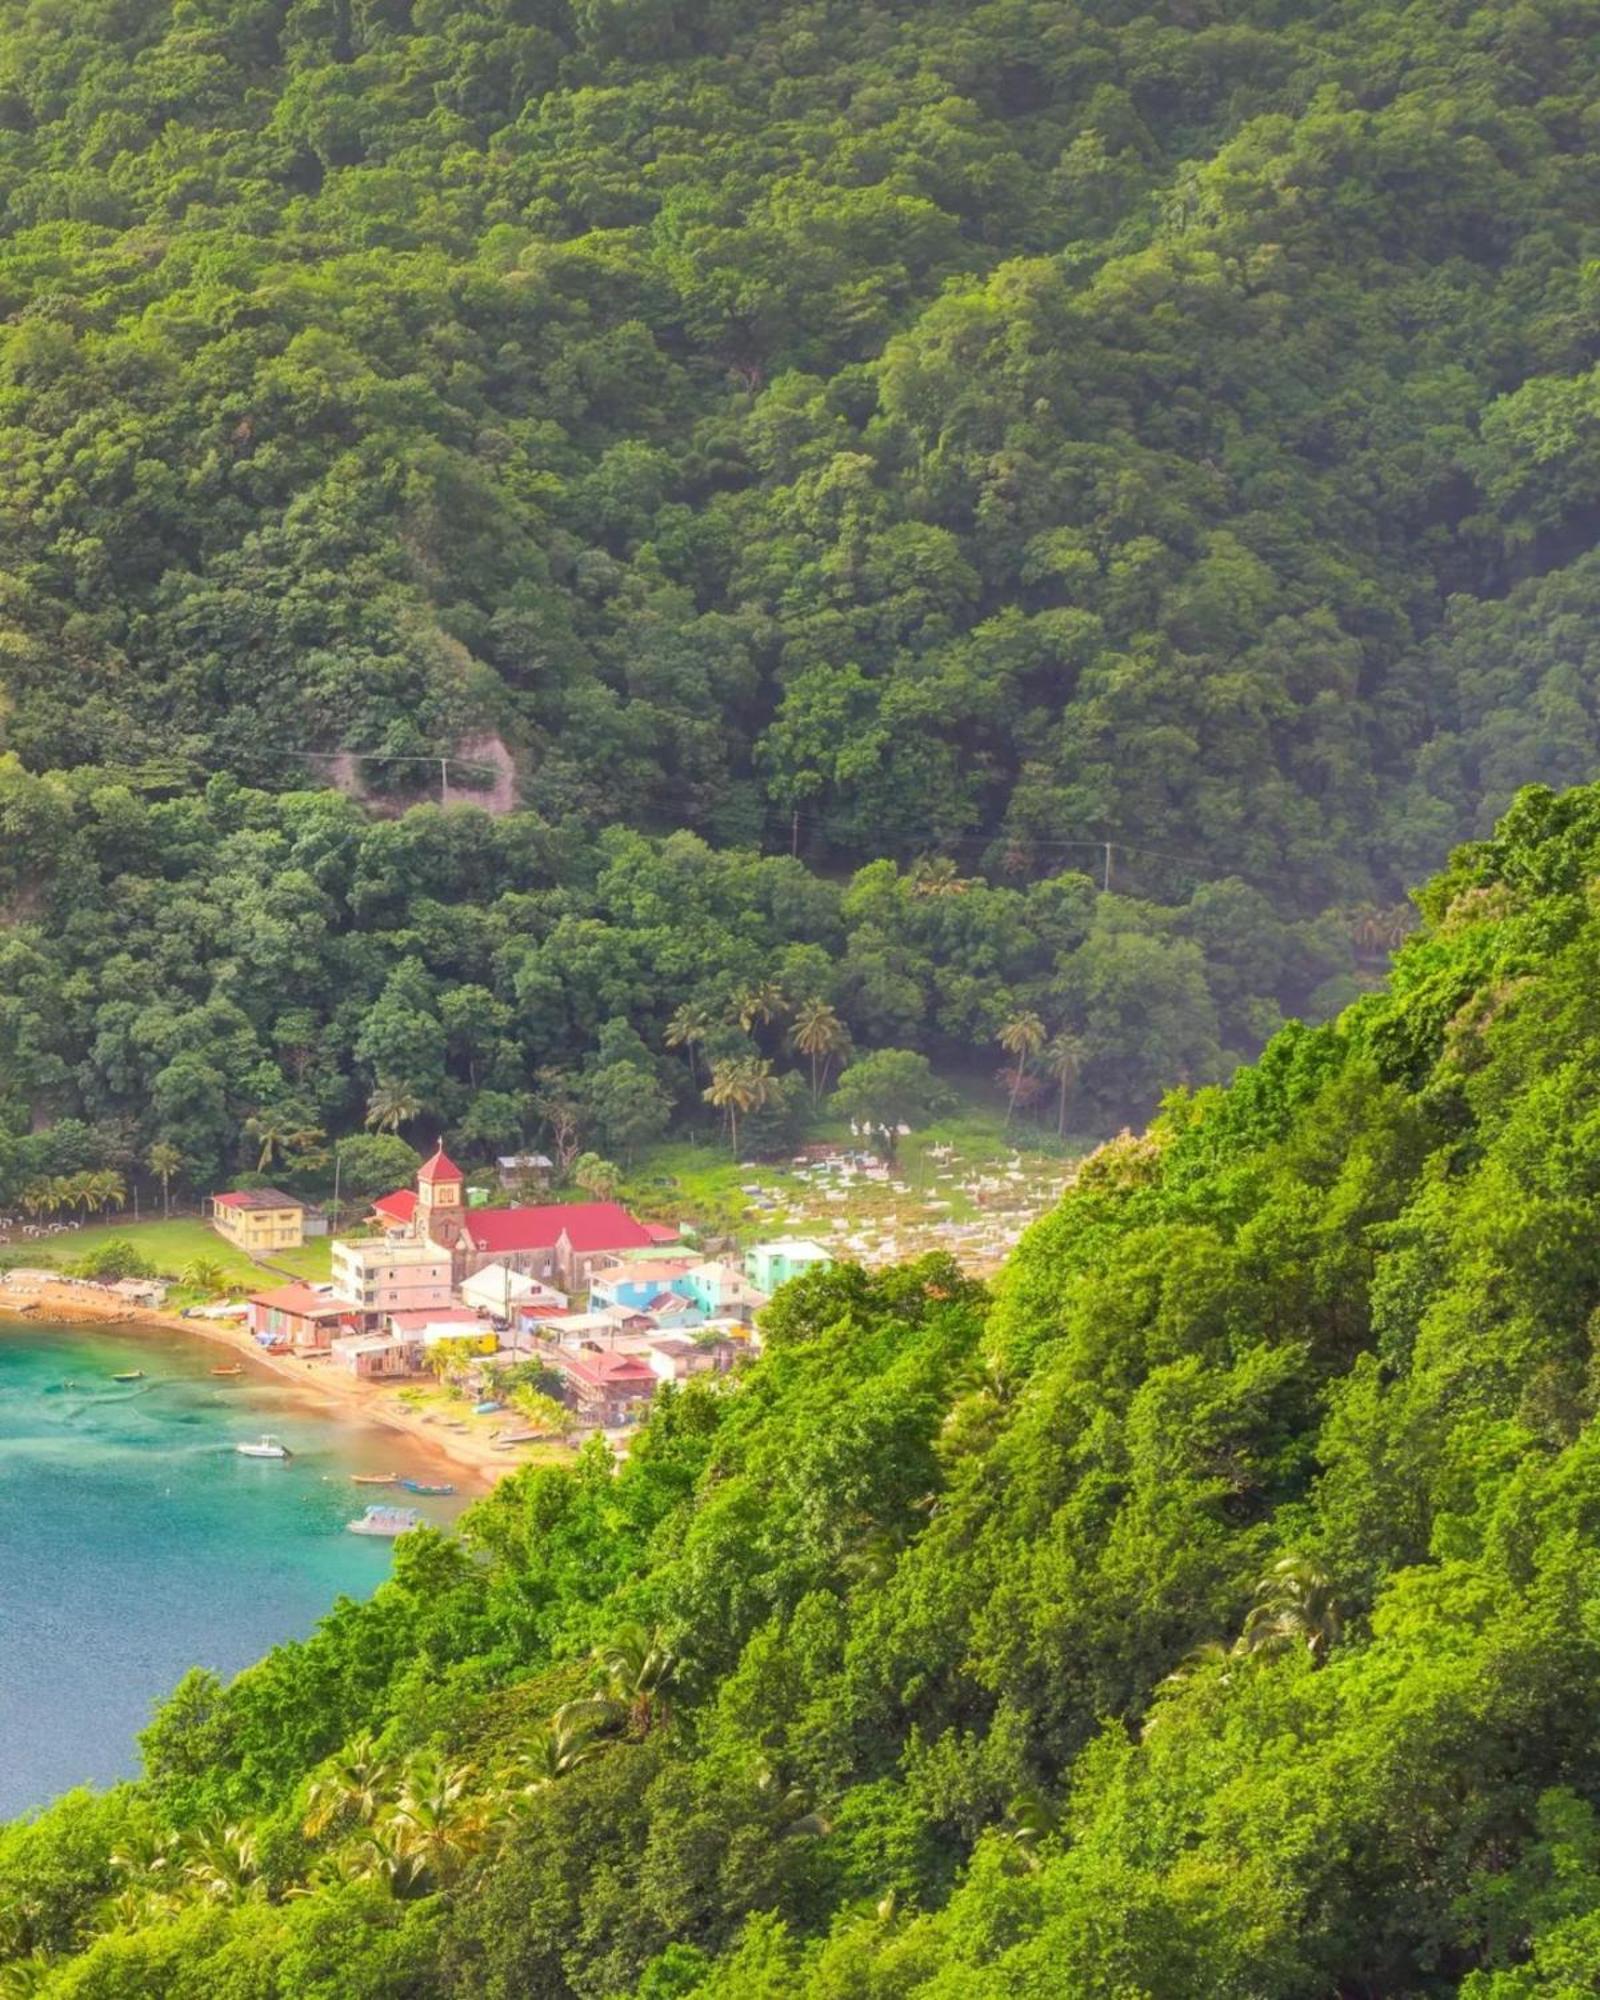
535,1322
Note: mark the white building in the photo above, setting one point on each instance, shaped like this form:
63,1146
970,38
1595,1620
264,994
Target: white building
378,1275
499,1290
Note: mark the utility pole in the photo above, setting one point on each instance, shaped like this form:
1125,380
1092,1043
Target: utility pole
1105,886
444,782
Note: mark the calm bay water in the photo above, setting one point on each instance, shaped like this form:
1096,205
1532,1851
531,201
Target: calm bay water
135,1543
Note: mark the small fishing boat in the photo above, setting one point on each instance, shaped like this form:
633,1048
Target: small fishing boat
486,1409
264,1447
374,1478
236,1369
130,1375
422,1486
386,1521
507,1439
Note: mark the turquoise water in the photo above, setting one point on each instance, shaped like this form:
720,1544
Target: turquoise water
135,1543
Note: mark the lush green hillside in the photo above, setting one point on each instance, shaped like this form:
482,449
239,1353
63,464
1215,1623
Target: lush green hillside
1216,1611
1005,426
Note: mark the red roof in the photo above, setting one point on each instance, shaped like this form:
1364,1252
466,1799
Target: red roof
399,1206
589,1226
256,1198
662,1232
440,1168
300,1300
613,1371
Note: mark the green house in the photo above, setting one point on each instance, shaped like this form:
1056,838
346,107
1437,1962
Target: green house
769,1265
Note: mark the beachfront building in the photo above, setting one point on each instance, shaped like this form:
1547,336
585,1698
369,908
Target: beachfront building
559,1243
378,1275
297,1316
769,1265
379,1357
499,1290
259,1219
604,1388
446,1323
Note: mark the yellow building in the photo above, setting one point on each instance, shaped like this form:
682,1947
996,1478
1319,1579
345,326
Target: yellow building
258,1219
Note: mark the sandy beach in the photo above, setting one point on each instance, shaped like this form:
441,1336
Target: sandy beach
466,1451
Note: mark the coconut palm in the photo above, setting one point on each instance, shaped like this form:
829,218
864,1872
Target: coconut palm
166,1163
1063,1063
936,876
203,1274
1022,1037
1294,1607
738,1086
349,1790
392,1105
762,1002
222,1863
21,1978
637,1670
571,1737
433,1826
820,1035
688,1029
105,1190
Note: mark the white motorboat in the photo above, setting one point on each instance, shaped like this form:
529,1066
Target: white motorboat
264,1447
389,1521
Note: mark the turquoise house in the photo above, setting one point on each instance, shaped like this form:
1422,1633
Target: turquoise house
769,1265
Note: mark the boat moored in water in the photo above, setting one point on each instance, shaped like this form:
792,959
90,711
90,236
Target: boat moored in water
236,1369
264,1447
130,1375
422,1486
386,1521
374,1478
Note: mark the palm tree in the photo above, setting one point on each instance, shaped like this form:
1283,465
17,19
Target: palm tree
1063,1062
1022,1038
350,1790
688,1029
570,1738
936,876
637,1670
1294,1607
42,1197
165,1162
21,1978
738,1086
203,1274
106,1190
392,1105
223,1864
270,1129
432,1827
763,1002
819,1034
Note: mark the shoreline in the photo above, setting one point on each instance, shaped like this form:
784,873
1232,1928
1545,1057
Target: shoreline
464,1451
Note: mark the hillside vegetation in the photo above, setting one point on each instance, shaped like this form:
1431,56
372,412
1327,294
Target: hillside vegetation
1004,426
956,435
1213,1611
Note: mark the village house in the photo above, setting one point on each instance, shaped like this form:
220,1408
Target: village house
723,1291
631,1281
559,1243
378,1357
378,1275
769,1265
675,1359
259,1219
444,1323
295,1316
605,1388
499,1290
524,1170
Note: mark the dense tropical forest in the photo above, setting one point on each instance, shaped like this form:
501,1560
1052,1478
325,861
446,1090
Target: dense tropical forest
957,436
1213,1610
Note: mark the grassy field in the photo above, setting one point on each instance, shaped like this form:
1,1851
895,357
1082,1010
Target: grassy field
171,1245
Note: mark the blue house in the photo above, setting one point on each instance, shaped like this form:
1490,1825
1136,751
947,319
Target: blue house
634,1285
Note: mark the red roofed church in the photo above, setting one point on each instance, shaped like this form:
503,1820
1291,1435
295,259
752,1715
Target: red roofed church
560,1242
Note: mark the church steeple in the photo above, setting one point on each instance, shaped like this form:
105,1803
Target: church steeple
439,1189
